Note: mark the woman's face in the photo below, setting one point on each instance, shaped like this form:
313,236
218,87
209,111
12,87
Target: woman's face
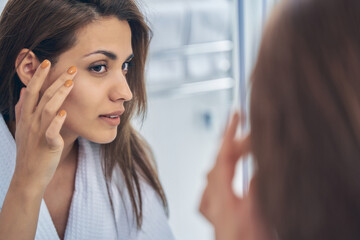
101,55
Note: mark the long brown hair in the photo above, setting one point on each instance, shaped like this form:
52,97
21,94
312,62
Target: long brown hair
305,120
48,28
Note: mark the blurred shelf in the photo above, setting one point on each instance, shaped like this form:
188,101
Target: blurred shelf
180,90
195,49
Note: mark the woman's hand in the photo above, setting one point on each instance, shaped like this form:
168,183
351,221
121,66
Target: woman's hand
39,147
233,218
38,124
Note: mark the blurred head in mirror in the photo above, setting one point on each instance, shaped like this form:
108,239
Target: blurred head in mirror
305,120
107,41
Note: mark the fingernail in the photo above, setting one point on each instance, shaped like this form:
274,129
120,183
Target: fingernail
68,83
62,113
72,70
45,64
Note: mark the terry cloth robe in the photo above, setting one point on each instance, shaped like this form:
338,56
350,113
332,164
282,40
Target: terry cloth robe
91,215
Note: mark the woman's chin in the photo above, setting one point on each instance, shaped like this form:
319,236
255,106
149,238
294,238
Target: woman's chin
102,138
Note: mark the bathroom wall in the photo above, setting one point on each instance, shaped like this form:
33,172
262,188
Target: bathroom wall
202,53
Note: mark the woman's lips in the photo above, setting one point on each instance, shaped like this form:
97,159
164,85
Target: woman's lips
112,121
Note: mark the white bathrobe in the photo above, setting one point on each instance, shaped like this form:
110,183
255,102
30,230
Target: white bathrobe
91,215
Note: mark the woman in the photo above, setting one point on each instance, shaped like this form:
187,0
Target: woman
72,77
305,131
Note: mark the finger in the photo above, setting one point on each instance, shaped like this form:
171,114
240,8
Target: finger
203,208
52,134
50,92
53,105
31,95
230,132
18,106
231,153
242,147
242,119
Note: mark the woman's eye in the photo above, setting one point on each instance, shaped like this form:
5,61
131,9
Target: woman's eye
99,68
125,66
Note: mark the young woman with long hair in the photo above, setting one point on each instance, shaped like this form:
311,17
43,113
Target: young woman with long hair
71,79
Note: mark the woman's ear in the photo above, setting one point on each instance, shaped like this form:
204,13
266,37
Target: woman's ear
26,64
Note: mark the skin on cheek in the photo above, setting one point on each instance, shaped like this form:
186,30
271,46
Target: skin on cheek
83,107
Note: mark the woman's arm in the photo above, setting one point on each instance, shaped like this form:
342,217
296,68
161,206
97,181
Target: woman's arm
38,150
20,210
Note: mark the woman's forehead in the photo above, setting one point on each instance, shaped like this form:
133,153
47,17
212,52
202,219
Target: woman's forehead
108,34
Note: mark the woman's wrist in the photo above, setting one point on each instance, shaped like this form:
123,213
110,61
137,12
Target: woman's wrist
20,211
30,189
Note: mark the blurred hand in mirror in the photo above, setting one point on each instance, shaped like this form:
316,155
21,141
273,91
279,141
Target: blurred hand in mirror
232,216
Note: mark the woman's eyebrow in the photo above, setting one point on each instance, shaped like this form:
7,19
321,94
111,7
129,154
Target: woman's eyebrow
110,55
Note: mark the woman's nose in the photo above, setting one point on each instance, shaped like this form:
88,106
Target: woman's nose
121,90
